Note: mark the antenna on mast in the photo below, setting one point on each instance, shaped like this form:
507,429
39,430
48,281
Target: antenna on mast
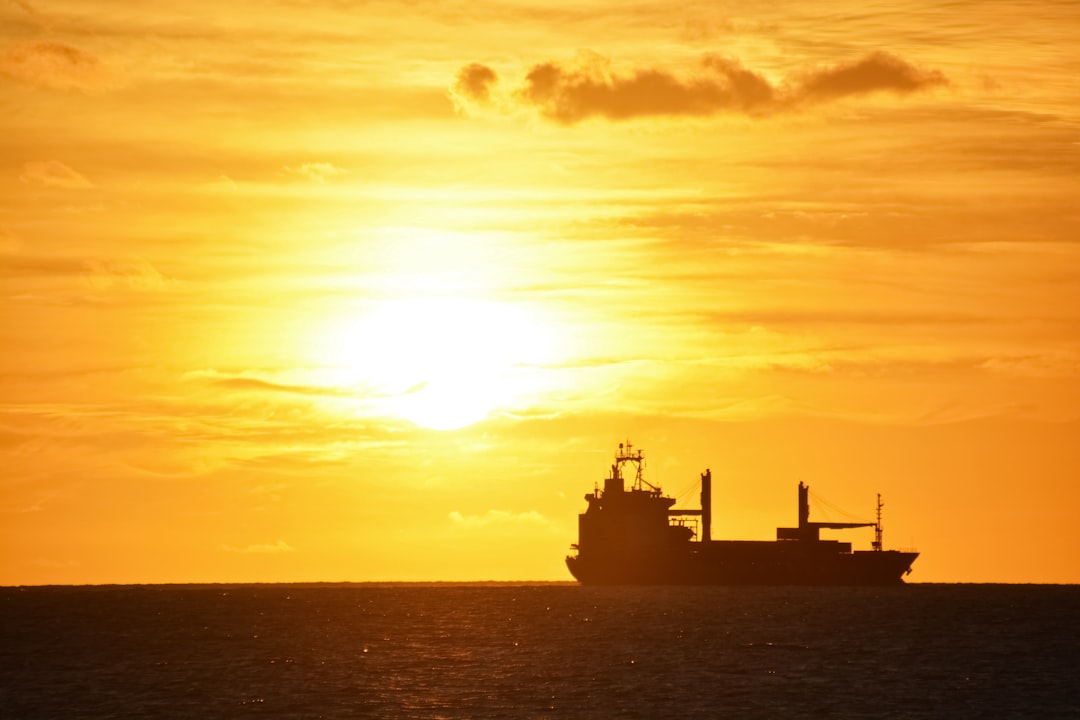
626,454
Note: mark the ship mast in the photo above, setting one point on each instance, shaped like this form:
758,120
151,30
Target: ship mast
877,526
625,454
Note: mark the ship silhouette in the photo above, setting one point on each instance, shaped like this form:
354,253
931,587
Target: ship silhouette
634,536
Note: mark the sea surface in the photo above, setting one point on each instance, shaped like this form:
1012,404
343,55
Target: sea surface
539,651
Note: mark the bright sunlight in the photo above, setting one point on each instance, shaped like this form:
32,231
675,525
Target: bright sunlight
439,362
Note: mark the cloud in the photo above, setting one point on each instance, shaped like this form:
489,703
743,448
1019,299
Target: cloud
318,172
257,385
40,266
497,517
279,547
1061,364
55,564
878,71
53,173
473,85
570,94
57,66
135,274
99,275
34,13
300,383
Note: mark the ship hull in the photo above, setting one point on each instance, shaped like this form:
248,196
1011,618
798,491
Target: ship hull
745,563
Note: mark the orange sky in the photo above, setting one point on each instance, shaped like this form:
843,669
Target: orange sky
333,291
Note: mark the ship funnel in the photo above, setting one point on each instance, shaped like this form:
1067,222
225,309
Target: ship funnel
706,506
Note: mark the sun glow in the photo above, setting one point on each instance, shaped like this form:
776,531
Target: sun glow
439,362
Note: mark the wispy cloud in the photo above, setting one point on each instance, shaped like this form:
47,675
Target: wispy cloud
53,173
22,266
1060,364
261,549
132,274
259,385
98,275
497,517
56,66
319,172
570,93
34,13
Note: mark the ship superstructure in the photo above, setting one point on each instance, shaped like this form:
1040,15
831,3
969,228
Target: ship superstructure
634,535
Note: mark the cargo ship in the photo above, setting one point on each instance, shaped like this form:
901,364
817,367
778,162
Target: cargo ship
634,536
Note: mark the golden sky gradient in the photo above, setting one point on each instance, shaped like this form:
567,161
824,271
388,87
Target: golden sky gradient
319,290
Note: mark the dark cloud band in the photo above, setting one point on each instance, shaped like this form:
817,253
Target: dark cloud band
569,95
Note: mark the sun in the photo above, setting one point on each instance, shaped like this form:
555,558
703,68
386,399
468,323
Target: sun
441,363
448,405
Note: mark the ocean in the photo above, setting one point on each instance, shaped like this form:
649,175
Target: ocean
539,651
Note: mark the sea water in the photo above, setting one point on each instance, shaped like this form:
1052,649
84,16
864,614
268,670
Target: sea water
539,651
